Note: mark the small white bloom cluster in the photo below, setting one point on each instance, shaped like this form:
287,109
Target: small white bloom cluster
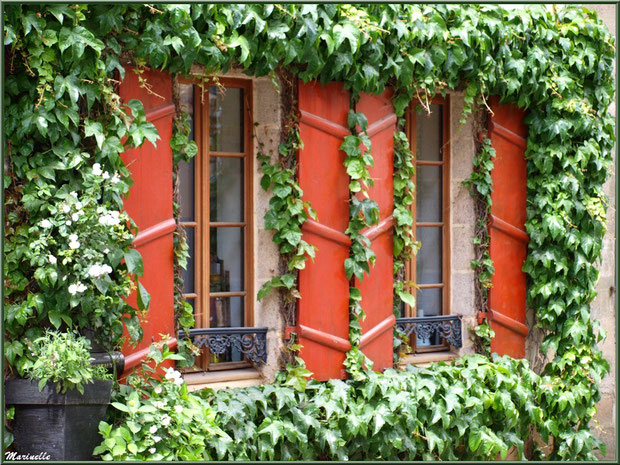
52,259
73,241
165,420
116,178
46,224
77,288
174,375
97,169
110,219
96,271
159,404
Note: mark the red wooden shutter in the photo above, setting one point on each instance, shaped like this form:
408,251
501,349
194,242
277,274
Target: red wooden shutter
377,286
149,203
508,245
323,310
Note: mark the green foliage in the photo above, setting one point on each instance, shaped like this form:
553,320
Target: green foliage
63,117
480,187
483,335
363,212
471,409
63,359
159,420
286,213
183,150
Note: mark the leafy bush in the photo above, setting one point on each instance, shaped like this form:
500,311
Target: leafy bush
159,420
473,408
63,359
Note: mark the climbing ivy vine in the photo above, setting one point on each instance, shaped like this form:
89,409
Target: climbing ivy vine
65,128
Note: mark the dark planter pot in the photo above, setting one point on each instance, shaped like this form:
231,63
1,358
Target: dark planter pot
61,426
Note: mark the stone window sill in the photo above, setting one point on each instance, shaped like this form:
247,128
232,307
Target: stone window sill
215,380
424,360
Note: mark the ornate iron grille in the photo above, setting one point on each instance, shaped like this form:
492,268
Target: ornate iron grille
252,342
447,326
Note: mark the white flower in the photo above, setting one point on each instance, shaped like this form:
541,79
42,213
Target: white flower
78,205
68,222
156,438
157,390
75,217
178,408
46,224
105,175
110,219
165,420
173,374
178,381
97,169
106,251
99,270
159,404
77,288
73,193
115,178
66,208
152,450
52,259
153,429
73,241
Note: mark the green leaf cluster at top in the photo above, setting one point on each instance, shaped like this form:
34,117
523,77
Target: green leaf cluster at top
63,116
286,213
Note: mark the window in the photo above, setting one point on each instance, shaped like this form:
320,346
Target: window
215,197
430,268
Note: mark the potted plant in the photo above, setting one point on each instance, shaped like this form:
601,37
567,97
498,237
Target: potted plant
59,406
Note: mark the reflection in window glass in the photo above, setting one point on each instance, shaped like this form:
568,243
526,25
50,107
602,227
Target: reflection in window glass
226,260
429,133
226,312
226,119
428,258
428,200
226,189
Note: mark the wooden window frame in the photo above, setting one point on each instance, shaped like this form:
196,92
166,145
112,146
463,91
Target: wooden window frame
202,224
410,267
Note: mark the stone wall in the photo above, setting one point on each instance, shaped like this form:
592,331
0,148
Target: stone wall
604,306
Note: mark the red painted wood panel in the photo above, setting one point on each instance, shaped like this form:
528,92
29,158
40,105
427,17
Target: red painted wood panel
508,243
149,203
323,310
376,287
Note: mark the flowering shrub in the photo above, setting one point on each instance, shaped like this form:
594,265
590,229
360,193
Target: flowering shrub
64,359
160,420
76,252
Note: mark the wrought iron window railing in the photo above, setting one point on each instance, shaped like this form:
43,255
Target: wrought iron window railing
252,342
447,326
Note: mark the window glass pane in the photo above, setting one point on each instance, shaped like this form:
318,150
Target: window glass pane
226,259
226,312
429,303
186,190
428,258
429,193
428,133
226,189
225,119
188,274
186,98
